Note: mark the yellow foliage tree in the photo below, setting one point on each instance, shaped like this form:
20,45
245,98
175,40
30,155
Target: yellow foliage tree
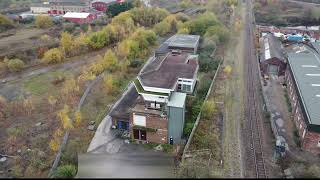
110,61
228,70
77,119
53,56
43,21
109,84
63,115
66,42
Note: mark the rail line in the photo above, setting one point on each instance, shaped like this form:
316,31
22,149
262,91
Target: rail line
253,115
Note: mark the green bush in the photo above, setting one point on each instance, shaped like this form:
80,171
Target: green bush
15,65
167,148
187,129
65,171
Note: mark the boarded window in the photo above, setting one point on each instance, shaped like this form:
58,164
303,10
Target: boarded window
139,120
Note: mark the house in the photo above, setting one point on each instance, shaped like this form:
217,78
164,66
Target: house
80,18
64,6
303,82
159,112
272,59
40,8
182,42
102,5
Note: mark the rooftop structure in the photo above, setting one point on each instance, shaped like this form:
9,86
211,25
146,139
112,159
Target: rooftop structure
184,42
305,68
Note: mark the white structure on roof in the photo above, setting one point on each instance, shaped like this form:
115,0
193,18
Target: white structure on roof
76,15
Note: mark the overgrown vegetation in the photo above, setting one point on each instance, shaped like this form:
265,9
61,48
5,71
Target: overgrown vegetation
287,100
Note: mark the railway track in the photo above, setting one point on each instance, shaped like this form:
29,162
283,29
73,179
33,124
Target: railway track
253,113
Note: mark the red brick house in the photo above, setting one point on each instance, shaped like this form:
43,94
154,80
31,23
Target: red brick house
303,86
102,5
80,18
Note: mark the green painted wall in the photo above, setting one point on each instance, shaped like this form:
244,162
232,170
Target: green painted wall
176,124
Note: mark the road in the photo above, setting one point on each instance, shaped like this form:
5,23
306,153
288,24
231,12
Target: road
253,127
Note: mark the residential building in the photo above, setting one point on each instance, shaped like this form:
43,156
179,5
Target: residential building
40,8
102,5
272,56
64,6
303,87
80,18
159,113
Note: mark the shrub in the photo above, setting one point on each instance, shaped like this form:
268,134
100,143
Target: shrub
187,129
15,65
53,56
44,22
167,147
65,171
208,109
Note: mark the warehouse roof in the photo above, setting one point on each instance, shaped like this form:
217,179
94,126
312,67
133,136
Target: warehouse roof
305,68
272,48
76,15
183,40
170,68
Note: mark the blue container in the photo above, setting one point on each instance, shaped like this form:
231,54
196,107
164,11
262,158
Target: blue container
295,38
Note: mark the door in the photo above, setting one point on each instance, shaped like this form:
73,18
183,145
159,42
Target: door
273,69
140,134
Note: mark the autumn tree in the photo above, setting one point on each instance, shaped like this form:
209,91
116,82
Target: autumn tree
110,61
99,39
220,31
162,28
66,43
77,119
81,43
43,22
53,56
128,49
110,84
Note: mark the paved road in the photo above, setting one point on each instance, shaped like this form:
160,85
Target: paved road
132,163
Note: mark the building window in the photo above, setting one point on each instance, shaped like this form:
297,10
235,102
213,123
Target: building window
186,87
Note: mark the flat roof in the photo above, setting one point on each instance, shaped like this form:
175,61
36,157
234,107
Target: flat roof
76,15
169,69
305,68
177,99
183,40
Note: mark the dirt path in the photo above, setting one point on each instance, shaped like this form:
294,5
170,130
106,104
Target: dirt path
233,110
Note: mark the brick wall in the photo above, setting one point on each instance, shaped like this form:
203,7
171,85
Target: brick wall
309,139
154,122
311,142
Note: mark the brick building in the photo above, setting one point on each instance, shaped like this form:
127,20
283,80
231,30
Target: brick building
303,85
64,6
80,18
102,5
159,113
